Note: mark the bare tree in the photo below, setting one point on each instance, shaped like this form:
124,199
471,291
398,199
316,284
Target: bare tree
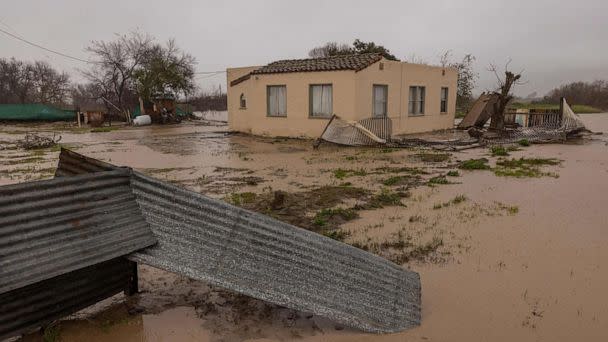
115,64
50,86
504,94
38,82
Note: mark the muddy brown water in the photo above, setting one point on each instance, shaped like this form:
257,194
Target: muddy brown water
538,274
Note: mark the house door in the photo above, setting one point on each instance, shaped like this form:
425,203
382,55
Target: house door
379,100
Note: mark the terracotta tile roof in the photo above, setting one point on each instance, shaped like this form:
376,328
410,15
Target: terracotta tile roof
347,62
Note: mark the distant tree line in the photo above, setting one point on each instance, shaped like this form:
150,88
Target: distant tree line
32,82
121,72
216,100
593,94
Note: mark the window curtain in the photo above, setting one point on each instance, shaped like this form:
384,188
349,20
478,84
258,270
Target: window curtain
322,100
379,101
416,104
277,101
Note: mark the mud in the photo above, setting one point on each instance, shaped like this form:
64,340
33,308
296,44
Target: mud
501,258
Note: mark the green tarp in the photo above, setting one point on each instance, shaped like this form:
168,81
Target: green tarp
35,112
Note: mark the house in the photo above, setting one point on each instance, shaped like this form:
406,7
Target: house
296,98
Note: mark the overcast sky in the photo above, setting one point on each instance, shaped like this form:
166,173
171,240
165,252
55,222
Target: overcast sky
554,42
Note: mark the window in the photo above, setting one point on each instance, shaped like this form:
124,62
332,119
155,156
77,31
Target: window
444,100
416,104
277,100
243,101
321,101
380,96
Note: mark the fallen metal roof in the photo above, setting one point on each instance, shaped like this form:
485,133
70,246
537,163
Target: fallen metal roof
261,257
41,303
52,227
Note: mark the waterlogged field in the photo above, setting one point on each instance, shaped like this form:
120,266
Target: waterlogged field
511,244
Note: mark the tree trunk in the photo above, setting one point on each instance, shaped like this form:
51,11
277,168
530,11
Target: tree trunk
498,117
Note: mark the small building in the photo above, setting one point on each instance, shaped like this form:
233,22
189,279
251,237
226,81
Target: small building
296,98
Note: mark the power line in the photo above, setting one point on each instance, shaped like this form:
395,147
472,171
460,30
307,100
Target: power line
208,76
210,73
44,48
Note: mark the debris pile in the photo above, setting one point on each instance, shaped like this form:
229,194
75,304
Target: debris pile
543,128
34,141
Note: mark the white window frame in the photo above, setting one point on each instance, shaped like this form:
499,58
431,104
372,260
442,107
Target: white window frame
384,102
417,100
326,88
280,113
443,101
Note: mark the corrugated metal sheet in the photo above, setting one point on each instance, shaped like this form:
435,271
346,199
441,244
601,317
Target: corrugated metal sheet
270,260
52,227
41,303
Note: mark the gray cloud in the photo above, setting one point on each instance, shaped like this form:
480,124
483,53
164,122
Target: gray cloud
554,42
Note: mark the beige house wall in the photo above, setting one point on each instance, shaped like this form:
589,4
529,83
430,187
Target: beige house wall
352,98
399,76
254,119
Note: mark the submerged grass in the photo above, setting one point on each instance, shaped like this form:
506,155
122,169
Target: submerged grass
525,167
51,333
345,173
498,151
432,157
334,216
475,164
104,129
438,180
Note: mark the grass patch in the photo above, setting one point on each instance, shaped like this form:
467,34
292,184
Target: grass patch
241,198
421,251
459,199
402,249
410,170
386,197
512,210
523,142
454,201
498,151
327,216
345,173
453,173
438,180
524,167
51,333
475,164
338,235
104,129
432,157
401,180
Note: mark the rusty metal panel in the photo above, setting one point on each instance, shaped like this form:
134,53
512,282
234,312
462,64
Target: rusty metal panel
52,227
261,257
40,303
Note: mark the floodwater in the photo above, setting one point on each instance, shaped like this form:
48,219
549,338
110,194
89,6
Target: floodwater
538,272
